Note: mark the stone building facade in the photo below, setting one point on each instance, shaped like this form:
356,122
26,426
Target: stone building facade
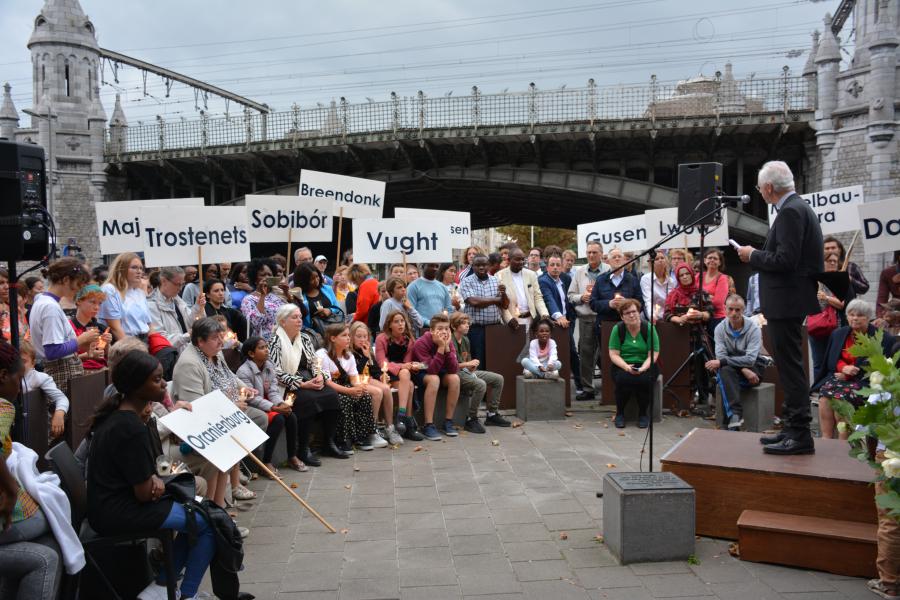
856,125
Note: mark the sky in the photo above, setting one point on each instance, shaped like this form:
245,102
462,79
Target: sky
282,52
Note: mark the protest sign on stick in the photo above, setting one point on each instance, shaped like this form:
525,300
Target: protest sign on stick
880,224
458,224
836,209
223,434
380,240
661,222
628,234
119,223
173,236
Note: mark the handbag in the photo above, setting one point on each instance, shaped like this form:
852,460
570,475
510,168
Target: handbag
181,487
822,324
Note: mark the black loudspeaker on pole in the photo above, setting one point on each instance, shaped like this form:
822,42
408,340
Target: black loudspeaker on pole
24,222
696,183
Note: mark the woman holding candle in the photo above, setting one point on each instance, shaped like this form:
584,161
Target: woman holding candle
393,351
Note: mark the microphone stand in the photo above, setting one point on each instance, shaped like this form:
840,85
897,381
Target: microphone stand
651,252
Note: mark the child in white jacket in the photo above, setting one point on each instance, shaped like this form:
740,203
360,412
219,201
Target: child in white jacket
542,360
34,379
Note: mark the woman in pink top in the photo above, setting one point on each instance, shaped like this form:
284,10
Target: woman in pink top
715,282
393,347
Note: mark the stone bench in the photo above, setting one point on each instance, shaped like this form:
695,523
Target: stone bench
631,408
758,407
440,409
540,399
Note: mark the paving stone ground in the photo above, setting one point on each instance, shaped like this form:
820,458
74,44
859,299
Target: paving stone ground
463,518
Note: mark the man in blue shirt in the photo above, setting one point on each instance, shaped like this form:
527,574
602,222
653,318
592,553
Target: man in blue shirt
429,296
613,287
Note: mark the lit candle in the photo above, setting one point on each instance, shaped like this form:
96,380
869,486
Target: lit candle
289,399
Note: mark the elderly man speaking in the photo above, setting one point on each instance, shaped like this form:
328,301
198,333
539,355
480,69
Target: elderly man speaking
788,265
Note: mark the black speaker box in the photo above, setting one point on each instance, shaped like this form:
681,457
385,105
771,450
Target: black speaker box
23,202
696,183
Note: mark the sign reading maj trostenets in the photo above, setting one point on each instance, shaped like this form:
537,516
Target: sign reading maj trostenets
174,236
836,209
119,223
207,428
359,198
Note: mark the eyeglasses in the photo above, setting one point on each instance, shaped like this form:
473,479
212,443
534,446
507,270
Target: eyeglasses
630,312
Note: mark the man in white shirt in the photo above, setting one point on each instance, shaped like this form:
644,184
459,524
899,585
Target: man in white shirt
522,289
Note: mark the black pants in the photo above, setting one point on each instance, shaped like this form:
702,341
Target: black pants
786,336
638,385
286,423
476,341
732,378
574,359
329,419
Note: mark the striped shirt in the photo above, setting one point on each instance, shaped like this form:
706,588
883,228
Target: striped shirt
486,288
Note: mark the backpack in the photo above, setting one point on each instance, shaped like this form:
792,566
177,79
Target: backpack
620,331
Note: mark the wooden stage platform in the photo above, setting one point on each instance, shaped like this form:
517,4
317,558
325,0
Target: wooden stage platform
826,496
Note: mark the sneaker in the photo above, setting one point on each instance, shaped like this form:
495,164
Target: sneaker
473,426
430,432
244,532
527,374
644,422
735,422
365,444
877,587
411,433
497,420
393,437
400,427
154,591
242,493
242,478
346,446
377,441
552,375
620,421
449,428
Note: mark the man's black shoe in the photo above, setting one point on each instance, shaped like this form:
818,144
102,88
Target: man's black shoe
473,426
332,449
790,446
309,459
497,420
772,439
410,430
584,395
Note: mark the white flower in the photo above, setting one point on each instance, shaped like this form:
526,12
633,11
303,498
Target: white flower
890,361
842,426
876,378
891,454
891,467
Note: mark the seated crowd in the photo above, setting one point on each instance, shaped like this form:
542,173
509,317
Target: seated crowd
307,357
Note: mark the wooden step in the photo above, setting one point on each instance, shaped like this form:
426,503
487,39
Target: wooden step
841,547
730,474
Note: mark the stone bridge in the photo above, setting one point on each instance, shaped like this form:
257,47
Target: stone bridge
555,157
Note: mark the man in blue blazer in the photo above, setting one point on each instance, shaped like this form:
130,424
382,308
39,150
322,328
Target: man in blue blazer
788,265
554,286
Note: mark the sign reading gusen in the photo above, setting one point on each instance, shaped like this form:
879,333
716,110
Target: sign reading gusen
664,221
459,224
880,223
271,218
836,208
629,234
119,223
359,198
172,237
207,428
387,240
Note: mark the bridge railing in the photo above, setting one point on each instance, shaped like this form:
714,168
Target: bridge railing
410,116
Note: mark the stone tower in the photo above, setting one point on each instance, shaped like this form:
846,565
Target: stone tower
67,119
856,128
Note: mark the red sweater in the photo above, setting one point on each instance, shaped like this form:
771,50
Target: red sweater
366,296
425,351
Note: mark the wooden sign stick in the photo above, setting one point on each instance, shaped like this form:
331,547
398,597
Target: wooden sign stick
850,251
200,267
285,486
290,256
337,259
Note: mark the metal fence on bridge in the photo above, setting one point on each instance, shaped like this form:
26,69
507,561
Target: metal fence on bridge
411,116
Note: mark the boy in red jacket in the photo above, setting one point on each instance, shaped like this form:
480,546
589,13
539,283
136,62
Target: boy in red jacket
436,352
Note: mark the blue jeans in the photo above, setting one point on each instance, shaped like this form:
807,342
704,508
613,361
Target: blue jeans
532,367
195,559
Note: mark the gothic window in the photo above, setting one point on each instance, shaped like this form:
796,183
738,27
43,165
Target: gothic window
66,81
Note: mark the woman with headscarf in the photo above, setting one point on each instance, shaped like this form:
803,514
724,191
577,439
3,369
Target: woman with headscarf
687,305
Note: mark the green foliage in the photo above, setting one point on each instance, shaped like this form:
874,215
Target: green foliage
879,420
543,236
693,560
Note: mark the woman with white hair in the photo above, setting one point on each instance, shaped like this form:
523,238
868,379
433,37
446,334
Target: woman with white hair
292,352
841,374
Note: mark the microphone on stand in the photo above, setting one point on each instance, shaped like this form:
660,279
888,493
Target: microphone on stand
732,201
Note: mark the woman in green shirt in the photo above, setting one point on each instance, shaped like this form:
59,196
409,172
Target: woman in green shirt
629,352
